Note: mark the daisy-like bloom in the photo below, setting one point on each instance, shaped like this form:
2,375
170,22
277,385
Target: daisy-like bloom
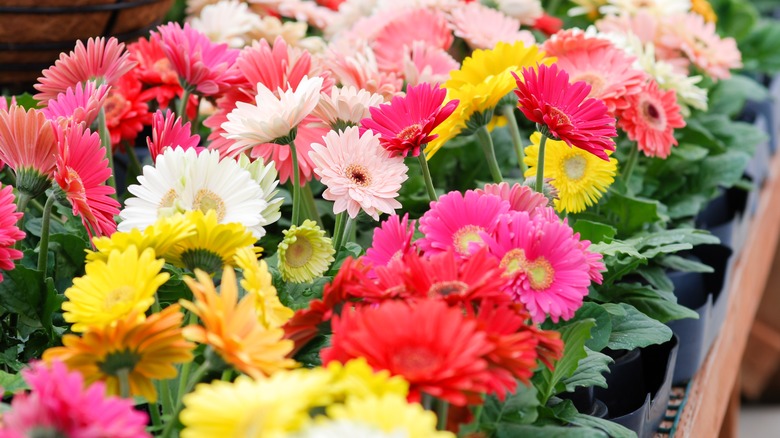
573,40
392,240
346,429
358,68
580,178
426,25
270,28
161,236
405,124
547,98
689,95
154,70
273,118
257,281
345,107
79,103
425,63
544,261
231,327
483,27
81,173
658,8
60,404
520,197
202,65
457,220
265,175
113,289
358,173
101,60
168,132
144,349
527,11
699,41
304,253
412,346
650,120
182,181
357,379
126,110
29,146
9,232
227,21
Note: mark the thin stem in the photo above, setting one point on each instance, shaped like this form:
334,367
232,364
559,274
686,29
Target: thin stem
154,413
309,204
540,166
181,106
39,207
185,369
442,408
123,375
43,247
105,139
348,228
134,169
21,206
227,375
296,183
196,377
628,170
517,139
165,396
426,401
338,229
486,141
427,177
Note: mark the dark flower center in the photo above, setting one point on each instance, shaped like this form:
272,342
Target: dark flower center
358,174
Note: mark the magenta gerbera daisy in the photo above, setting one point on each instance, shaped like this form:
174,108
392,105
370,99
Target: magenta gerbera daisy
168,132
651,118
9,232
79,103
456,221
392,240
564,111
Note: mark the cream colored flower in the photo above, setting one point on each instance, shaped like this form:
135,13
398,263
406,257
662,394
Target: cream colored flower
527,11
227,21
345,106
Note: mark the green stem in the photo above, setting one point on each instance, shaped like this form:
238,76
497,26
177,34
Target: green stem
105,139
186,368
540,166
348,228
442,408
154,413
21,205
134,169
165,396
310,206
123,375
181,106
426,401
196,377
39,207
486,141
296,183
43,247
628,170
227,375
338,229
427,177
517,138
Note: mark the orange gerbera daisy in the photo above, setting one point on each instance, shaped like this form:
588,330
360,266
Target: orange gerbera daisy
144,350
232,328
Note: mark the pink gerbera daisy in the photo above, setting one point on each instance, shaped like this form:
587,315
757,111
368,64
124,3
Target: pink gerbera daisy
345,106
28,146
82,171
359,68
405,124
426,25
167,131
9,232
358,173
456,221
520,197
101,60
572,40
79,103
391,241
425,63
59,404
564,111
698,40
201,64
651,118
483,27
545,261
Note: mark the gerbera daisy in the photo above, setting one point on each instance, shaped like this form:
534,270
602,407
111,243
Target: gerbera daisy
544,261
183,181
60,404
231,327
345,107
155,71
392,240
102,60
700,42
650,120
357,379
168,132
9,232
81,173
227,21
520,197
29,146
412,346
580,178
304,253
141,349
358,68
126,110
265,175
257,281
527,11
419,24
161,236
79,103
424,63
457,219
573,40
358,173
113,289
483,27
205,67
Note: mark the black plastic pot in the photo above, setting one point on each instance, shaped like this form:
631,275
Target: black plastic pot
719,216
582,397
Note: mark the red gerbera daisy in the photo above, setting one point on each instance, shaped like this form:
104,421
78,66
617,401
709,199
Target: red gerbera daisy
126,111
405,124
564,110
437,349
650,120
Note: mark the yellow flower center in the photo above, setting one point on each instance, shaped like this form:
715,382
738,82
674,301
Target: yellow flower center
168,204
206,200
574,166
540,273
115,106
408,132
117,296
559,118
513,261
595,80
466,235
299,253
358,174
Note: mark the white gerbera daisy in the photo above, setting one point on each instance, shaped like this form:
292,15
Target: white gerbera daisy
659,8
267,177
228,21
527,11
183,181
274,117
347,429
345,106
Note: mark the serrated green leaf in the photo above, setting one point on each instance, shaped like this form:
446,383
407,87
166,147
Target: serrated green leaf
649,301
634,329
612,429
682,264
574,336
298,295
590,371
508,430
630,214
615,247
728,96
21,291
12,382
601,331
595,232
656,276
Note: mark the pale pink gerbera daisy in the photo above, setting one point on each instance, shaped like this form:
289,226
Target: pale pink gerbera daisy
545,261
359,68
413,25
650,120
201,64
564,110
425,63
520,197
168,132
698,40
82,172
59,404
101,60
456,221
345,106
9,232
405,124
79,103
392,240
483,27
28,146
358,173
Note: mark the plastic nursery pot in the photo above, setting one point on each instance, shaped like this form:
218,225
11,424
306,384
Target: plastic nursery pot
716,284
583,398
719,216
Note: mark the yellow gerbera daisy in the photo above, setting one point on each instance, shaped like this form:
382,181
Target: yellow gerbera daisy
258,282
357,379
160,236
482,81
304,253
112,289
143,350
580,177
232,328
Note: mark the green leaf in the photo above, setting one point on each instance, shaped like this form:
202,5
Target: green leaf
298,295
601,331
51,305
616,247
574,336
69,258
11,382
656,276
509,430
350,249
594,231
728,96
735,17
649,301
722,170
565,411
682,264
518,408
590,371
630,214
26,101
633,329
22,290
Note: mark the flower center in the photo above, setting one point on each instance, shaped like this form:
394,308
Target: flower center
465,236
118,296
557,117
299,253
653,116
168,205
539,273
409,132
358,174
413,360
513,261
119,360
595,80
115,106
206,200
445,288
574,167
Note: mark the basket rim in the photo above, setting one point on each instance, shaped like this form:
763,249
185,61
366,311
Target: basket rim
106,7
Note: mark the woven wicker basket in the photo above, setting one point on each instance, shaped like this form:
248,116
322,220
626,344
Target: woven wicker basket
34,32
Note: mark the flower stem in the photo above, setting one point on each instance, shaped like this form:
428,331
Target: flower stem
154,413
165,396
517,138
227,375
21,206
338,229
43,247
348,229
486,141
540,166
123,375
185,369
628,170
196,377
309,204
134,169
427,177
296,183
105,139
181,107
442,408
